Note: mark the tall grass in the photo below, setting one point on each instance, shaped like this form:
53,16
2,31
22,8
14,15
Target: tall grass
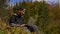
5,29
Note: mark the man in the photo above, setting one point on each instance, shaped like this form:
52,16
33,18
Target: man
17,19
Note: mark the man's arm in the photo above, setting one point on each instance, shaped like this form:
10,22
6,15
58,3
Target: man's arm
12,20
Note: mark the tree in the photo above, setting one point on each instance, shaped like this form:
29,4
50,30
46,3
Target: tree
3,10
43,18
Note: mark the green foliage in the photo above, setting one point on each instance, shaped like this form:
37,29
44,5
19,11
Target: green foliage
41,12
4,13
2,32
47,17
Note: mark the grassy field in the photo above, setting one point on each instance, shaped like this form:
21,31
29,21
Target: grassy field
5,29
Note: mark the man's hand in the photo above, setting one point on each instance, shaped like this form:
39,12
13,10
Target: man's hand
23,25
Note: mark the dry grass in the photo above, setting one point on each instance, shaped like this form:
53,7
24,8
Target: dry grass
5,29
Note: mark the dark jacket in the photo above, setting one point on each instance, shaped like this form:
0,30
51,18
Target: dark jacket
16,19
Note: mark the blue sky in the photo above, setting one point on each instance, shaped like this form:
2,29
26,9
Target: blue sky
13,2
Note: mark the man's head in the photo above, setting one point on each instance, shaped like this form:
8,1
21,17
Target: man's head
21,11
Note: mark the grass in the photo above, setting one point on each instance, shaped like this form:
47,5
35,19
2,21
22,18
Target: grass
5,29
52,28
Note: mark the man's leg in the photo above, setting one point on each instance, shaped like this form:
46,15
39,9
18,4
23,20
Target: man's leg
36,29
26,30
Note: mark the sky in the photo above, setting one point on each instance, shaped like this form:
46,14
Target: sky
13,2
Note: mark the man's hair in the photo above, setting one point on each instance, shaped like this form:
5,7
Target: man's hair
20,8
